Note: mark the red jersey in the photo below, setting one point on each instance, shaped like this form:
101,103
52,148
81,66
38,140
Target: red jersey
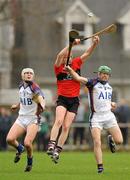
66,86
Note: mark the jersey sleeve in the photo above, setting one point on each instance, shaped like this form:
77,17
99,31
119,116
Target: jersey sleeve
91,83
78,61
36,90
58,69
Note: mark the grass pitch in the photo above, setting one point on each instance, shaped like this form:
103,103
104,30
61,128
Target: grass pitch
72,166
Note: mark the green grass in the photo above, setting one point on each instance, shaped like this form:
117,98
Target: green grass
72,166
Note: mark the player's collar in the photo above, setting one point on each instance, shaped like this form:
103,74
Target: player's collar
28,82
102,82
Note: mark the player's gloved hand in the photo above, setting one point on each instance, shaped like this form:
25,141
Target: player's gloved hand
113,106
96,39
14,107
76,41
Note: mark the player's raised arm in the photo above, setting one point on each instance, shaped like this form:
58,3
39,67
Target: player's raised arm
89,51
75,75
62,55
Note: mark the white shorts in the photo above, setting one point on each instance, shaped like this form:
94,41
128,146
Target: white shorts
24,121
103,120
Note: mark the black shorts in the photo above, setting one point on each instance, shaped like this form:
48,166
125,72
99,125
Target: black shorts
71,104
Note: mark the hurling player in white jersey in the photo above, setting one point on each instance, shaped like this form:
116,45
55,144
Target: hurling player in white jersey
100,98
31,104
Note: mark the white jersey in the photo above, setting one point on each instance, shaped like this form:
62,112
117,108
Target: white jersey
27,105
100,95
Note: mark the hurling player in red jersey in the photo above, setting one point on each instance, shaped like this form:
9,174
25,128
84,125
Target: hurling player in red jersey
68,97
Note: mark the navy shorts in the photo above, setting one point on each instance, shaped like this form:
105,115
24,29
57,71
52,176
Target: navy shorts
70,103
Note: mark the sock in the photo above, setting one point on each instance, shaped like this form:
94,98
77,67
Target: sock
52,144
100,168
29,161
20,148
100,165
58,149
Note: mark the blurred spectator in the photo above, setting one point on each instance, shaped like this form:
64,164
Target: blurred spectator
43,134
88,136
5,124
79,131
122,113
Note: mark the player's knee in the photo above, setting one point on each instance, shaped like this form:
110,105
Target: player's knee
10,140
27,143
65,128
119,141
97,143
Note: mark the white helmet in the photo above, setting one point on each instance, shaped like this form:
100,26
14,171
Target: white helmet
25,70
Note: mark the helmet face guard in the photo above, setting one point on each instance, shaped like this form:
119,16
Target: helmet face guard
26,70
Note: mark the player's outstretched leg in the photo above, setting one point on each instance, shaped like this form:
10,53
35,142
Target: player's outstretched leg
51,147
100,168
55,156
111,144
20,150
29,164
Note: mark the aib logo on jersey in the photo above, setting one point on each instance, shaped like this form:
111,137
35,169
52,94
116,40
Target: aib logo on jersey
105,95
26,101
